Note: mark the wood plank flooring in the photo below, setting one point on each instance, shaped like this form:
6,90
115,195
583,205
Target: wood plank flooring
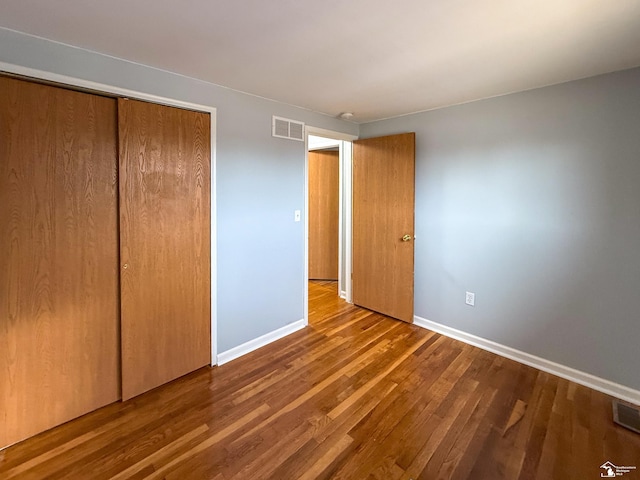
353,396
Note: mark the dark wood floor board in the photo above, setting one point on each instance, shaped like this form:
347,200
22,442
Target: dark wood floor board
341,425
374,380
421,416
561,463
501,411
283,449
61,440
139,441
258,386
395,441
137,462
212,446
353,396
539,429
304,384
311,389
395,408
295,466
438,427
472,450
459,442
349,323
600,408
242,372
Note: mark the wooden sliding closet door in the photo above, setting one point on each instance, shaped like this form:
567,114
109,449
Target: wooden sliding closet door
164,243
59,337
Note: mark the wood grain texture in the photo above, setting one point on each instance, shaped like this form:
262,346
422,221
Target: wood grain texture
324,201
356,395
164,243
59,337
383,212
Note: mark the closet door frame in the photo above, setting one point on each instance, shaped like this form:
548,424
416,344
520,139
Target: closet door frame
90,86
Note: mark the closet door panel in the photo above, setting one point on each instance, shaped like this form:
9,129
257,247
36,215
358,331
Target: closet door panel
165,243
59,326
324,204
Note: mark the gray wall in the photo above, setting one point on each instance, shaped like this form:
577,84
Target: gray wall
260,182
532,201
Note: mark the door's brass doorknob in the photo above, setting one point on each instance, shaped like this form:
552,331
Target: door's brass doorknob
406,238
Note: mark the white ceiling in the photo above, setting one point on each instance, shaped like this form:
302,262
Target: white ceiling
375,58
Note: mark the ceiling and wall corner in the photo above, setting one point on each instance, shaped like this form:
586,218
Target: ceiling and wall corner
375,58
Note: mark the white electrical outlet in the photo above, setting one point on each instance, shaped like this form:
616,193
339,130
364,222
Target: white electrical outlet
296,216
470,298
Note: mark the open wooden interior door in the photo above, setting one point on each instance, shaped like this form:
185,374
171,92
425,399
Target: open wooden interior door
383,224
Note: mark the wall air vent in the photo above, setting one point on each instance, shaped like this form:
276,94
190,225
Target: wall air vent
627,415
285,128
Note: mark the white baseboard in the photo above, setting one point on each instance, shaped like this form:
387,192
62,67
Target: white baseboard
256,343
600,384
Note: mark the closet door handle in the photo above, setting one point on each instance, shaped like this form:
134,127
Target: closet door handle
125,266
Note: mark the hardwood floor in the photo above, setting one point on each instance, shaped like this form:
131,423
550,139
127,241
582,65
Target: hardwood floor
353,396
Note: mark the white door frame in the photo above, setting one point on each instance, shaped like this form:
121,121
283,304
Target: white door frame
172,102
345,204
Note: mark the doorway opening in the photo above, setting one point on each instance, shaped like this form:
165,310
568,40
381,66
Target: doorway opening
327,213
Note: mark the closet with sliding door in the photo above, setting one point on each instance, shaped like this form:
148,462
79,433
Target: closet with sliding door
104,251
